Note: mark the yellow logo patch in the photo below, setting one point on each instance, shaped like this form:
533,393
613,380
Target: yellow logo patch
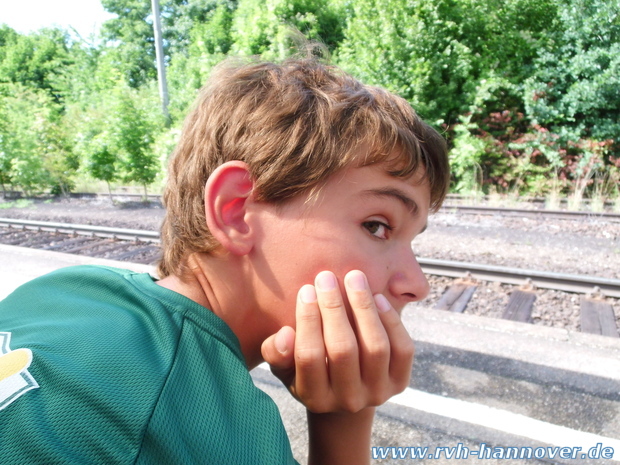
14,362
15,380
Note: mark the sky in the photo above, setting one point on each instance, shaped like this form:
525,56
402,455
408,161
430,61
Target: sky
26,16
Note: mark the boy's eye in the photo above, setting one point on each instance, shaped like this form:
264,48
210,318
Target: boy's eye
377,229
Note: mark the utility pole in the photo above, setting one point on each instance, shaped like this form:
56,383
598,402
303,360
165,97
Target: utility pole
159,54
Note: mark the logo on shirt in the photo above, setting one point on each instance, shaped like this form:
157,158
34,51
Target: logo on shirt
15,380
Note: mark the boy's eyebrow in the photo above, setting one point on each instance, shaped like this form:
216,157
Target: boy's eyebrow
408,202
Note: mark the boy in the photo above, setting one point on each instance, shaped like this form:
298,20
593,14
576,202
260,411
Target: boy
292,200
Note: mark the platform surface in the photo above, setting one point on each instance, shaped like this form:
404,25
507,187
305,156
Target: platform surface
19,265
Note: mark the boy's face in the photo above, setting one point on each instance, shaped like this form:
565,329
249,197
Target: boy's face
363,219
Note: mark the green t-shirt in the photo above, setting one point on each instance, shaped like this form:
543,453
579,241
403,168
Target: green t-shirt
123,371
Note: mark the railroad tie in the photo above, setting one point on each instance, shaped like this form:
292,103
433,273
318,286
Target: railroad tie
19,238
89,245
597,317
113,248
64,243
456,298
131,253
519,307
42,240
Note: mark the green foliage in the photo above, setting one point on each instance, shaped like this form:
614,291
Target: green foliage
92,72
103,162
385,45
209,43
568,102
527,91
6,158
35,151
115,134
134,127
466,157
133,53
213,35
180,17
131,34
438,54
60,162
266,29
96,145
19,203
33,60
575,88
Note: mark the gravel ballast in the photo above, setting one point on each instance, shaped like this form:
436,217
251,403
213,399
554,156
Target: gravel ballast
585,246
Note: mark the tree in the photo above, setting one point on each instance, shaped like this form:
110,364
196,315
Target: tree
384,44
265,29
560,126
447,55
6,160
36,153
210,42
94,133
103,163
34,60
56,148
134,130
180,18
130,39
36,148
575,88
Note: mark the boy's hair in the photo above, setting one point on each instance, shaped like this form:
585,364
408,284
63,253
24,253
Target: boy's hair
294,124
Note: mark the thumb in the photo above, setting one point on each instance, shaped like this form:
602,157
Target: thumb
278,350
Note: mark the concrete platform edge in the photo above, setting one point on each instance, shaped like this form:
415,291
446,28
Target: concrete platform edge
586,354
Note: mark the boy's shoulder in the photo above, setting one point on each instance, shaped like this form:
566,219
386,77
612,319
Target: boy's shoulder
75,276
108,353
76,287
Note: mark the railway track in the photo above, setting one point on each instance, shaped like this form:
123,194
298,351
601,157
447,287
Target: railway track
531,213
534,202
132,245
598,296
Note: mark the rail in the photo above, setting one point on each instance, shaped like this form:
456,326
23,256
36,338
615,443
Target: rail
81,229
561,214
541,279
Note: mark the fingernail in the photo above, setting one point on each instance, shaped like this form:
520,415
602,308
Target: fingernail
357,281
280,343
325,281
382,303
307,294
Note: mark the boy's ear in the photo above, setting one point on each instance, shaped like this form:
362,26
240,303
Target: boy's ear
227,192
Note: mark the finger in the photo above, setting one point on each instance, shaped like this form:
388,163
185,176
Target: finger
340,341
373,341
311,378
278,351
401,345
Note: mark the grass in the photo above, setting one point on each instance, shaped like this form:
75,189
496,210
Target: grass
597,204
89,185
575,201
19,203
553,200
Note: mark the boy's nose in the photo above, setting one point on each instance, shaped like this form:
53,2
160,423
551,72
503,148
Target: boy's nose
408,283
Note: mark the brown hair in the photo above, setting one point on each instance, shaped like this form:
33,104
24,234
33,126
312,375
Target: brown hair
294,124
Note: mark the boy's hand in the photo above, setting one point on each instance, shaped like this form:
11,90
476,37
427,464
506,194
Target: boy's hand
335,362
